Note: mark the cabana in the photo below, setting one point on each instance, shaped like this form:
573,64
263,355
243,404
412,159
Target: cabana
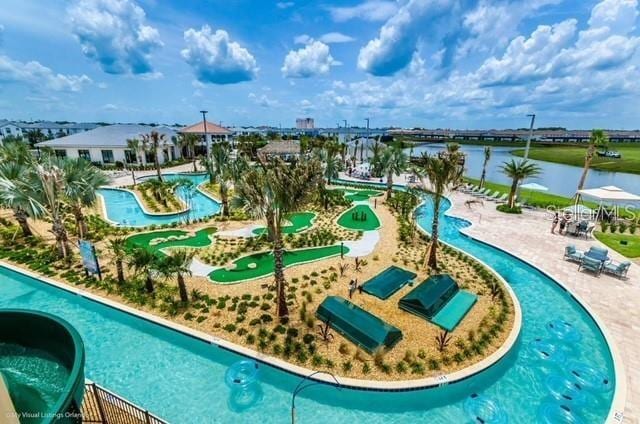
608,194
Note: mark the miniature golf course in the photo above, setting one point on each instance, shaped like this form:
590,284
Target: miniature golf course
299,221
261,264
171,239
359,218
356,195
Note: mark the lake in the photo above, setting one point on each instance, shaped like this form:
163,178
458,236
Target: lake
560,179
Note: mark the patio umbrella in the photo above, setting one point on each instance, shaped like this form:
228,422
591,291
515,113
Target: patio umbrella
534,187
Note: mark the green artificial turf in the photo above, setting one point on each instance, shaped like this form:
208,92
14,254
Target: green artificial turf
201,239
359,218
264,264
630,250
300,221
574,155
356,195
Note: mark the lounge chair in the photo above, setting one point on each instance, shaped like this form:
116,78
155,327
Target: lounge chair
490,196
480,193
502,199
591,264
619,270
589,232
599,253
572,254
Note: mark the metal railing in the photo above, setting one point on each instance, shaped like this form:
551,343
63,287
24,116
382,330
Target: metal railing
102,406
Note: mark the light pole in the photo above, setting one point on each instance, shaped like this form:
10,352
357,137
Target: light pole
204,122
362,147
526,150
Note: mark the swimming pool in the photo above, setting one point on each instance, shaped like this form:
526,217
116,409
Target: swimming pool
122,208
178,376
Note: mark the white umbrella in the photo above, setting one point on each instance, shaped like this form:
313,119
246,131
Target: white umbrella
534,187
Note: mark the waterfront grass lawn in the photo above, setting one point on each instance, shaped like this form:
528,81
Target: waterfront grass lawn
262,264
574,155
299,221
612,240
359,218
200,239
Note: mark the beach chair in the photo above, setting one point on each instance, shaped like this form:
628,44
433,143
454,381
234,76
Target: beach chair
572,254
502,199
491,196
619,270
480,193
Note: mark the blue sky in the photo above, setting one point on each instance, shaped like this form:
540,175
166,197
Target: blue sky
430,63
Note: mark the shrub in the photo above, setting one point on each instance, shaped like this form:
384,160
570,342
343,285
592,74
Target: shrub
366,368
308,338
506,209
292,332
347,366
230,328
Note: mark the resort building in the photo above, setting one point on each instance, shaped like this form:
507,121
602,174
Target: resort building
8,128
305,123
209,132
47,129
109,144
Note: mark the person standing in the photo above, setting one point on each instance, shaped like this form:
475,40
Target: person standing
554,224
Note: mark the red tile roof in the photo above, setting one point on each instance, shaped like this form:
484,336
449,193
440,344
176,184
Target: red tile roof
198,128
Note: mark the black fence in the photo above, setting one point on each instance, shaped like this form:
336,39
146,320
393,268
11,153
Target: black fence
102,406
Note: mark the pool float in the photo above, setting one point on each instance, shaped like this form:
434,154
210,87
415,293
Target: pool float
566,391
546,351
483,409
558,413
563,330
241,374
589,378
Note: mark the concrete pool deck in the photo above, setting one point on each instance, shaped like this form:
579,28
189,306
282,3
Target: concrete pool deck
615,302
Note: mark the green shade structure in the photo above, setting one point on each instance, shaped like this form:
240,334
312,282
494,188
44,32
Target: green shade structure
361,327
437,300
388,282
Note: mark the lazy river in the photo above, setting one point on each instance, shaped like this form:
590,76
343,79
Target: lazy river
123,208
560,370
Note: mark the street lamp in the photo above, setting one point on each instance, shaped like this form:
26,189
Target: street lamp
533,119
204,122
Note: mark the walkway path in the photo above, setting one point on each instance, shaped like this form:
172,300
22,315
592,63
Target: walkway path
616,302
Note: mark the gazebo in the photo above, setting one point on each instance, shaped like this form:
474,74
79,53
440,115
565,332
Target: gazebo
285,149
608,194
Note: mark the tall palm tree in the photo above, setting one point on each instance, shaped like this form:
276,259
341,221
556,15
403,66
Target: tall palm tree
119,251
143,262
487,157
598,139
218,165
270,192
393,162
189,141
47,182
376,150
518,171
152,143
81,181
443,173
135,145
176,265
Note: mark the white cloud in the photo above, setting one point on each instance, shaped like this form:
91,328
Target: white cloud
313,59
1,34
617,15
306,105
216,59
335,38
370,10
39,77
394,47
284,4
109,107
115,34
263,100
302,39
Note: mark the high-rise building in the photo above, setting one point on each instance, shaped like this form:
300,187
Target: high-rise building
304,123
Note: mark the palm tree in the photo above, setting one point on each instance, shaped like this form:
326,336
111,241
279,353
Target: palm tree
135,145
189,141
144,262
152,143
15,192
119,251
177,265
598,139
393,162
355,151
270,192
218,166
443,173
48,191
487,157
81,181
518,171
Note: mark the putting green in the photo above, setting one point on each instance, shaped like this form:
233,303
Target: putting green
356,195
359,218
261,264
300,221
200,239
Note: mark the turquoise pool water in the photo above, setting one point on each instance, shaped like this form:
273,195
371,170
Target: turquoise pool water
123,209
182,379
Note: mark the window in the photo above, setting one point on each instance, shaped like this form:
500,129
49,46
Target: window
130,156
84,154
107,156
61,153
149,157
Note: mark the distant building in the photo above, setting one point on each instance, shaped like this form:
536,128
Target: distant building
47,128
108,145
8,128
284,149
215,134
305,124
